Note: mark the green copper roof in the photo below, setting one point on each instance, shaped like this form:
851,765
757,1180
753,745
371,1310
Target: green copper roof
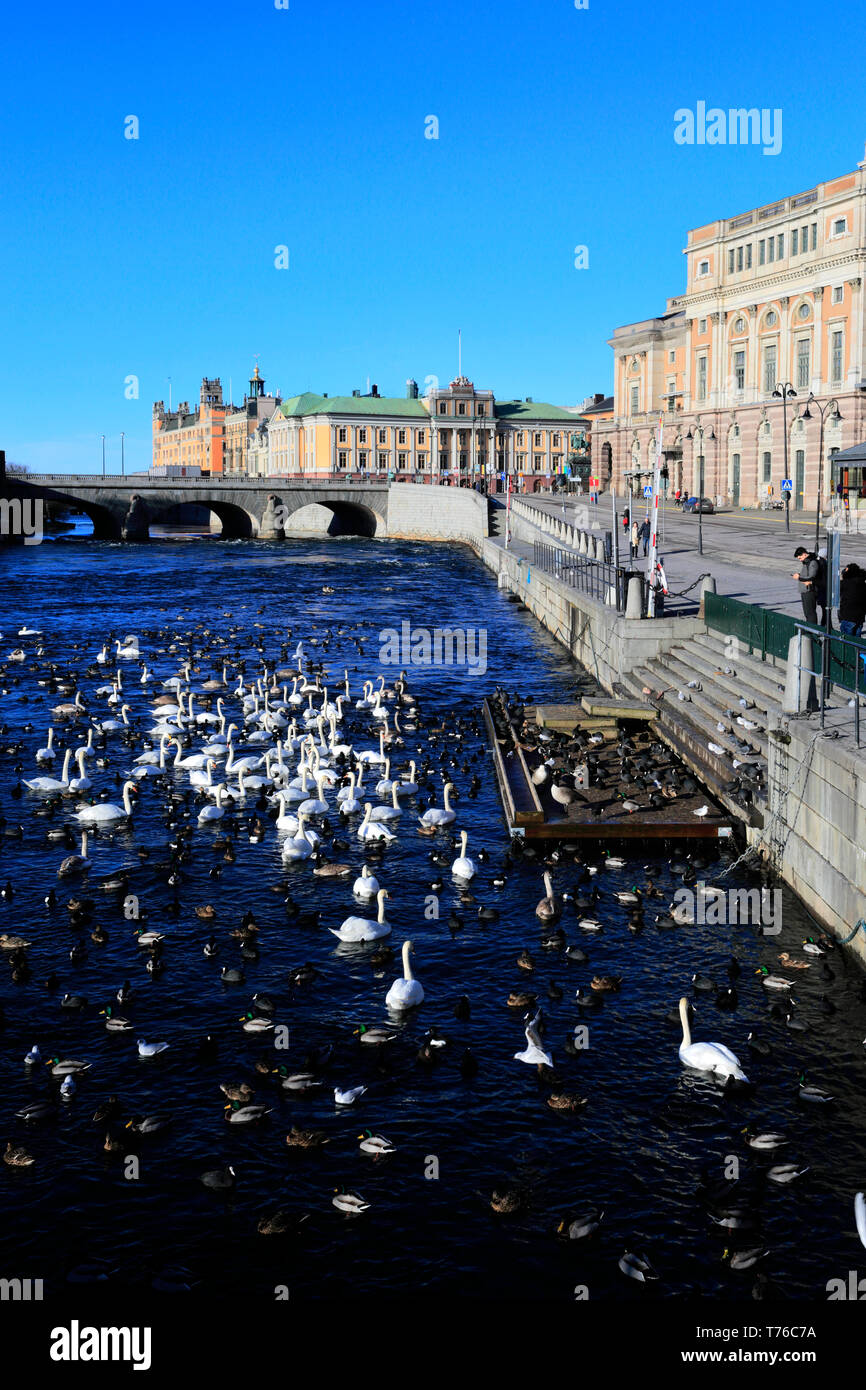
311,404
533,410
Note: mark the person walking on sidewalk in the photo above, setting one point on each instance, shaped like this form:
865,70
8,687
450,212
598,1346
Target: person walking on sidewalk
635,536
852,600
644,534
812,578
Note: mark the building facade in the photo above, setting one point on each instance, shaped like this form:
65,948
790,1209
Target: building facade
773,312
457,434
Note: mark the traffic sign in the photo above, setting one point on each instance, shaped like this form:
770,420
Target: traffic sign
648,492
787,484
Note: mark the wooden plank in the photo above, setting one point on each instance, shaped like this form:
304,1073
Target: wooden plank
618,709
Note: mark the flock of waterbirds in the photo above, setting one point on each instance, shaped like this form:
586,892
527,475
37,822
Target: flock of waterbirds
229,746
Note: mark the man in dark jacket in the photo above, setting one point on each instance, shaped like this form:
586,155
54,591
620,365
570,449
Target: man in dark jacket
644,533
812,578
852,600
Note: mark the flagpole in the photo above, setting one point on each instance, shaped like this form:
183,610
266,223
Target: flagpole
654,524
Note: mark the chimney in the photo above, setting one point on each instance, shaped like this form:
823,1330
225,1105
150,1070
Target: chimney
598,398
356,392
375,391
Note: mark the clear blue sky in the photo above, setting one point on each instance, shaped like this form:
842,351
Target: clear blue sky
305,127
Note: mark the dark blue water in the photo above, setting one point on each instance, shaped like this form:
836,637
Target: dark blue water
639,1150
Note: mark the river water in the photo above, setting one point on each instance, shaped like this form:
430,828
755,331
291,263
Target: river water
651,1135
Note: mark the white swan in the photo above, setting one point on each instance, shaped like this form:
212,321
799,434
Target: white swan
315,805
463,867
392,812
129,649
707,1056
373,830
364,928
366,885
47,786
410,786
215,812
534,1054
48,753
108,811
81,783
348,805
436,816
301,846
860,1216
75,863
405,993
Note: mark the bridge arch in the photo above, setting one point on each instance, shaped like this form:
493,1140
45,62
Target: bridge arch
347,518
106,522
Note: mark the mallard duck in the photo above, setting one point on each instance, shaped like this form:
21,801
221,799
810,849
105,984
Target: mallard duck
375,1144
374,1036
605,984
279,1223
349,1202
791,964
239,1114
566,1101
306,1138
518,1000
17,1158
114,1023
584,1224
12,943
206,912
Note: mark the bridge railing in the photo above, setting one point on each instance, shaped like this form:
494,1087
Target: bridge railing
231,480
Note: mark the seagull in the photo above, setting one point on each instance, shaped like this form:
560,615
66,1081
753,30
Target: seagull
534,1053
695,685
746,704
701,811
746,723
146,1049
681,695
717,749
348,1097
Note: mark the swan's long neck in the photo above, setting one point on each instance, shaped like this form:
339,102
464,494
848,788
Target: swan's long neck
548,886
684,1019
84,844
463,840
380,898
64,776
394,802
407,969
79,758
447,802
127,804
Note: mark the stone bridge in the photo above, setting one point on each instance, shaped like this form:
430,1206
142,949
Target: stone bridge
125,508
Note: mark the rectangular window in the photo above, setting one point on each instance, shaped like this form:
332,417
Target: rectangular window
770,367
443,407
731,261
836,355
342,435
520,437
538,463
521,460
749,256
401,460
635,399
461,407
771,249
802,364
768,467
362,436
401,436
780,246
537,440
837,294
840,226
383,460
672,356
740,255
383,436
481,409
762,248
702,325
556,441
814,236
739,370
794,235
702,378
341,459
443,460
804,240
362,459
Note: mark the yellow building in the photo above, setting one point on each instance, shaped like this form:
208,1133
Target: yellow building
773,312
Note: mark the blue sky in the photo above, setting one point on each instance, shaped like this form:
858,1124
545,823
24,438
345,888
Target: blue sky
305,127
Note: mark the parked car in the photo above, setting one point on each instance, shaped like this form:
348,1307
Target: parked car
698,504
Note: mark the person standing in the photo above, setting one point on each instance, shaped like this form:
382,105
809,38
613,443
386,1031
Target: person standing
635,536
645,534
808,577
852,600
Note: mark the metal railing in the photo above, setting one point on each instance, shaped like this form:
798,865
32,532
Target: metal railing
842,662
597,579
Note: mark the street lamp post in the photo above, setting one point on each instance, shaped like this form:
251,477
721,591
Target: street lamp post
699,429
785,390
122,455
103,456
831,407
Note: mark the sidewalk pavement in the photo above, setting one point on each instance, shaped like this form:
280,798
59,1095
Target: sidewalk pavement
749,554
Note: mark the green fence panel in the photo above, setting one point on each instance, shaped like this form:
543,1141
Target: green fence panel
768,633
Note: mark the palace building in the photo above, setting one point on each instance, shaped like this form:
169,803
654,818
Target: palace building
457,433
773,312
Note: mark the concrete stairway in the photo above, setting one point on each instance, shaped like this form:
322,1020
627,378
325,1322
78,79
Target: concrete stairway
710,713
495,517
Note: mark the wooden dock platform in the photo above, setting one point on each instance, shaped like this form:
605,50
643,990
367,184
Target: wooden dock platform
608,807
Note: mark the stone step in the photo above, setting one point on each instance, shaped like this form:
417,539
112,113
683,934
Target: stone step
764,675
704,724
688,731
733,686
714,701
